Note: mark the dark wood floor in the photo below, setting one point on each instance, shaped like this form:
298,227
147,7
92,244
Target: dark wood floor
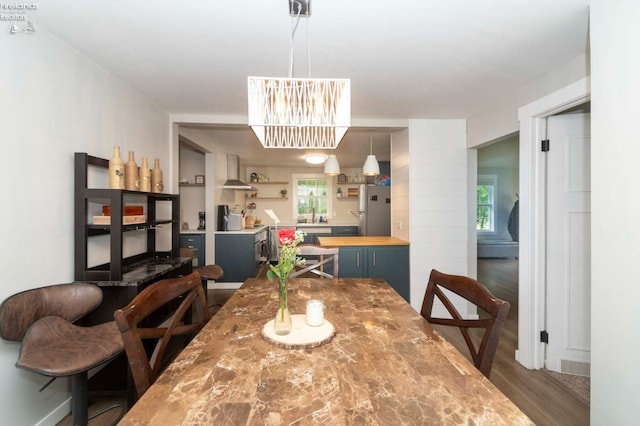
544,400
536,394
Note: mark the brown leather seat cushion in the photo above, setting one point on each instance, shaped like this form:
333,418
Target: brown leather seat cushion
54,347
211,272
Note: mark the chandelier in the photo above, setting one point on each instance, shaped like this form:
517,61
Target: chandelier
299,112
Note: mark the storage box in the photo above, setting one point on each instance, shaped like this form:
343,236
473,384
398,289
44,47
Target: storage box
127,211
126,220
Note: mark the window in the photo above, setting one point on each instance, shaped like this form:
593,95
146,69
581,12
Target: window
312,196
485,219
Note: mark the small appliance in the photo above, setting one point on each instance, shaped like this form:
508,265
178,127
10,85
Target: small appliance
201,225
235,222
223,217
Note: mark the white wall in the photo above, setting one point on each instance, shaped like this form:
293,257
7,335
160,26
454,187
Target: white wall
502,119
437,200
615,235
54,102
400,223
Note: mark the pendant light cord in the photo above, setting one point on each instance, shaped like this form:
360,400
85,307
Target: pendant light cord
294,28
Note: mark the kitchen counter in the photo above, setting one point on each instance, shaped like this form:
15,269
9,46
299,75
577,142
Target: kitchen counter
246,231
192,231
361,241
309,224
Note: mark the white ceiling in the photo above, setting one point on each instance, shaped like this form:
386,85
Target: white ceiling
405,58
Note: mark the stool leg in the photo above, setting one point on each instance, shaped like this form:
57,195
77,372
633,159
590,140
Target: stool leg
204,288
80,398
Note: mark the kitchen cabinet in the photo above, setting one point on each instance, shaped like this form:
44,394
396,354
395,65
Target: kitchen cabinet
196,242
240,254
388,262
345,231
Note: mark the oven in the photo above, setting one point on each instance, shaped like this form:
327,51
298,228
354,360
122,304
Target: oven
260,250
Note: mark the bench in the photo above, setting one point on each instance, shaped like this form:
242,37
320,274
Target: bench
491,248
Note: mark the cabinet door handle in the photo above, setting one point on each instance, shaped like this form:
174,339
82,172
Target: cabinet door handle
374,259
358,260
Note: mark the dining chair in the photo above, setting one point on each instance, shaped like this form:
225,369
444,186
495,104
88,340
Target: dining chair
474,292
317,258
51,345
136,326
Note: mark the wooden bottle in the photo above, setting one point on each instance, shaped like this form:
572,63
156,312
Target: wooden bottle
156,177
116,170
145,176
131,181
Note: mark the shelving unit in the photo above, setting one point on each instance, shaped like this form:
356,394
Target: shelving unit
269,197
270,183
192,185
117,199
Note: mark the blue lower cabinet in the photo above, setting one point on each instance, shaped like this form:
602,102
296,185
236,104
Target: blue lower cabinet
351,262
390,263
196,243
345,231
235,254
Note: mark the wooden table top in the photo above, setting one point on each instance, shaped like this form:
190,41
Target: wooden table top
385,365
361,241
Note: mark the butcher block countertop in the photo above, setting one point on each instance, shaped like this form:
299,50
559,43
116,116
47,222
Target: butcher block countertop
361,241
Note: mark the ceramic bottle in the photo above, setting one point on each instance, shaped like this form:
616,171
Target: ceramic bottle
156,177
131,181
145,176
116,170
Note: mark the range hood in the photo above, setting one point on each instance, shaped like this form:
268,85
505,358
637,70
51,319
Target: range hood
233,172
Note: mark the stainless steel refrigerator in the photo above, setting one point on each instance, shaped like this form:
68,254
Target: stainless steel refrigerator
374,210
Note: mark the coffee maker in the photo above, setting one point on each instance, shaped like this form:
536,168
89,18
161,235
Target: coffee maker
201,215
223,217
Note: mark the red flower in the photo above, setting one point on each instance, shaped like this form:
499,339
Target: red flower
286,236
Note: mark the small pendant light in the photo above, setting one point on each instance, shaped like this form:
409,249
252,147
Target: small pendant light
331,166
371,166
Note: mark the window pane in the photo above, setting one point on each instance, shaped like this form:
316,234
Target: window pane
484,194
303,206
483,223
312,196
322,206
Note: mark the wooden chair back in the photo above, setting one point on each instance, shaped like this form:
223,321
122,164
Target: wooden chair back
477,294
324,255
188,291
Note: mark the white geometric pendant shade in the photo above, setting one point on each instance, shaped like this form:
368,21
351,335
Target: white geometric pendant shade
299,112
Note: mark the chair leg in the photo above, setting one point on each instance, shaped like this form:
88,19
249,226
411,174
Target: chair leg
80,398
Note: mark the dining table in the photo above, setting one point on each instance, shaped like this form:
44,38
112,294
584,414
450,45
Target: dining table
383,364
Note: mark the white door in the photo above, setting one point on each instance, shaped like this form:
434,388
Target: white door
568,244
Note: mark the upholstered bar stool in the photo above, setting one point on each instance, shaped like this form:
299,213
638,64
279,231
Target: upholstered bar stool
207,273
42,319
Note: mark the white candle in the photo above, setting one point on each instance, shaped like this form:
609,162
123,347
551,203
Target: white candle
315,312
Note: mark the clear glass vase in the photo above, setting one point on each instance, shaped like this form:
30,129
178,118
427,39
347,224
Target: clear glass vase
282,322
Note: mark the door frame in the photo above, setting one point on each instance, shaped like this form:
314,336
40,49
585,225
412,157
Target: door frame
532,267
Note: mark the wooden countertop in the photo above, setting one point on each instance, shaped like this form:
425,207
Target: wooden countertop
386,365
361,241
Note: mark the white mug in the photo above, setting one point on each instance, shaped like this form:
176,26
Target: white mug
315,312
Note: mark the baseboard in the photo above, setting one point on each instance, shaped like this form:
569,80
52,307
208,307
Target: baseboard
58,413
223,286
